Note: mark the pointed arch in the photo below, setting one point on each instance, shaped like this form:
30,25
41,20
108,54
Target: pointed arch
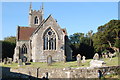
24,49
49,39
36,20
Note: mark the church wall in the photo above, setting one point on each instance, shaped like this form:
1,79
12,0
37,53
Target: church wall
18,51
40,55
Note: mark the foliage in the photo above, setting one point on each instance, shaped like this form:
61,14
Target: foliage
7,49
108,32
8,46
11,39
89,43
81,44
117,43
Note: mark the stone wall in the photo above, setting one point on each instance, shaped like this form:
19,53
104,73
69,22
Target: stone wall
66,72
40,55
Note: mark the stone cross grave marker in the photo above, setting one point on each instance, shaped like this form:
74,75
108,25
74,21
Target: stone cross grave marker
83,59
96,56
49,60
20,62
78,60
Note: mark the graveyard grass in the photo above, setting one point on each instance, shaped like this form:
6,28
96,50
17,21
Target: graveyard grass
113,62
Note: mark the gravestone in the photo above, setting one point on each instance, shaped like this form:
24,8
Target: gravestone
20,62
49,60
103,55
9,60
78,59
83,59
96,56
5,61
106,56
16,61
64,59
24,60
110,55
0,60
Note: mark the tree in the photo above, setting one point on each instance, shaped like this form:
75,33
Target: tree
90,33
11,39
106,33
7,49
8,46
80,44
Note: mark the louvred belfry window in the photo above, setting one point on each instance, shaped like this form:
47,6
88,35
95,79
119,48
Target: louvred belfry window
36,20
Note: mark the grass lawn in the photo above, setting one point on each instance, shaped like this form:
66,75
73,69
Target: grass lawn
113,62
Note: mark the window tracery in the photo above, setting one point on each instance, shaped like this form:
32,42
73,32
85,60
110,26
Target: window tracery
49,40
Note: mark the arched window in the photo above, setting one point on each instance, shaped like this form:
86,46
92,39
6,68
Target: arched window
49,39
36,20
24,49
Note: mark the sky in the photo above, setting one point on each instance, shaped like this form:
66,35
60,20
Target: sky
74,16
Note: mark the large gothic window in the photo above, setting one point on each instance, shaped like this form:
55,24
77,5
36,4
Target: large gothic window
36,20
24,49
49,39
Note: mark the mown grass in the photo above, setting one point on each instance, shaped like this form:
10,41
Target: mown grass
113,62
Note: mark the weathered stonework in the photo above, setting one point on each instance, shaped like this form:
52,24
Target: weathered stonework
86,72
32,47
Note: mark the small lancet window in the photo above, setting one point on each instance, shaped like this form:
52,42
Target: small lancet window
24,49
36,20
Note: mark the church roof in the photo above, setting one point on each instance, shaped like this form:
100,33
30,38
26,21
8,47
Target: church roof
24,33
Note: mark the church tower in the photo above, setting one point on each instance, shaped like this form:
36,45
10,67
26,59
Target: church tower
35,16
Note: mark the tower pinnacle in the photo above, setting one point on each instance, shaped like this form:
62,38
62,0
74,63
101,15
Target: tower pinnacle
42,10
30,7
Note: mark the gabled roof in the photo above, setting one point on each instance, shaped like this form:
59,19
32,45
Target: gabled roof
24,33
50,16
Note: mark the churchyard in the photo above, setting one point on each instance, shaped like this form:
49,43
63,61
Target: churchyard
63,65
113,62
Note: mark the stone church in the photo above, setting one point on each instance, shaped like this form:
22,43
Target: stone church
42,38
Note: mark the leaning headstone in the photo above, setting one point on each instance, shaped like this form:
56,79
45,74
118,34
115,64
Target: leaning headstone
83,59
96,56
49,60
5,61
78,60
20,62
